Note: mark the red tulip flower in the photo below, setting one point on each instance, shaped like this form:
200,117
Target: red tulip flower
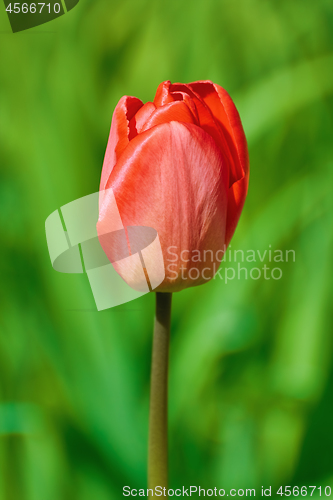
180,165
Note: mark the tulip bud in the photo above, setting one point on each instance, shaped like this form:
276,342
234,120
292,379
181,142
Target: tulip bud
178,165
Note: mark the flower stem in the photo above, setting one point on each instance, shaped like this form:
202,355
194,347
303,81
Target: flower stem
158,412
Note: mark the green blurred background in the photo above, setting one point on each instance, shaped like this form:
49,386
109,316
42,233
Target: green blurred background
251,372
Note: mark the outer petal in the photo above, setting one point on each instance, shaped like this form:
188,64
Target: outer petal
172,178
119,134
236,200
226,114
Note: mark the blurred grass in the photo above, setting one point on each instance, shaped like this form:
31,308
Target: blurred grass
251,374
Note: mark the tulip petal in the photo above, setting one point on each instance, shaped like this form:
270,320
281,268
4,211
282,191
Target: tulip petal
173,111
166,94
183,96
118,138
173,178
236,126
226,114
236,200
207,122
163,94
140,118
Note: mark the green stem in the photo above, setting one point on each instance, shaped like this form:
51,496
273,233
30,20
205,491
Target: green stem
158,412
